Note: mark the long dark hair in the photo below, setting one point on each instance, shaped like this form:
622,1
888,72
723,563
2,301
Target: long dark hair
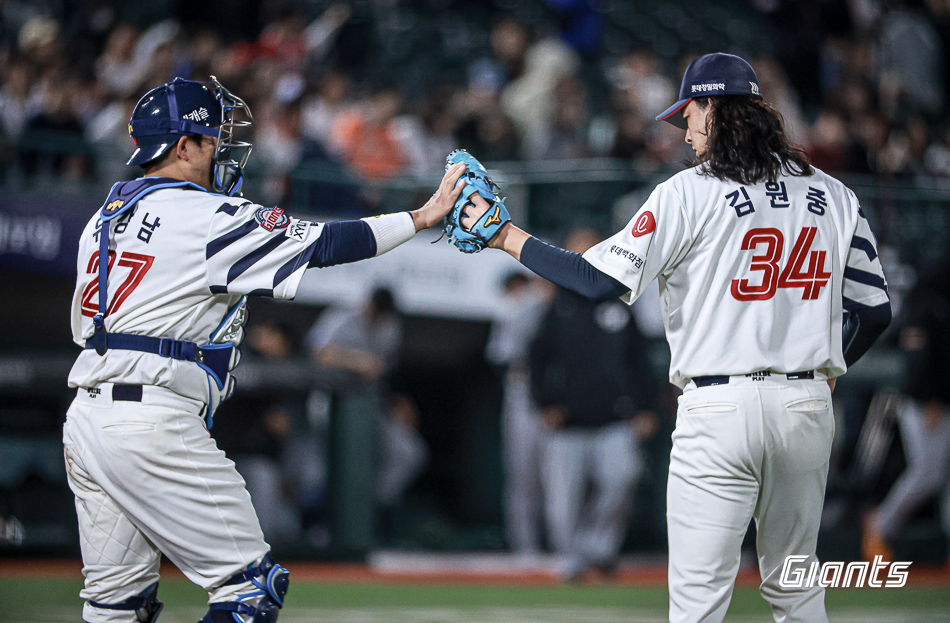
747,143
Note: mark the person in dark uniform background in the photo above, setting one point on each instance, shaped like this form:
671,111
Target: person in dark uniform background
588,379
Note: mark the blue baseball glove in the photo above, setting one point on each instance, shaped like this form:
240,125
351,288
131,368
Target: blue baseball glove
475,180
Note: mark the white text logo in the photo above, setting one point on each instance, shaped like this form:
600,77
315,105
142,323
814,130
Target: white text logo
197,115
709,86
838,574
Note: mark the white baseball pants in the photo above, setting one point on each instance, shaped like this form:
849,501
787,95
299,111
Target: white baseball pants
750,449
149,479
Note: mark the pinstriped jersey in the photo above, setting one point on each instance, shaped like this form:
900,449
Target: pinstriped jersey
751,277
178,261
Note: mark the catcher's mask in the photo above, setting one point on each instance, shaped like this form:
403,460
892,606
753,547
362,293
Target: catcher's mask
188,108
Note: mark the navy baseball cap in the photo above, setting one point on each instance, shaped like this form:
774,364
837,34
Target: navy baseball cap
712,74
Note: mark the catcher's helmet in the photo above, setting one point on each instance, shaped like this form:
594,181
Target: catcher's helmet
188,108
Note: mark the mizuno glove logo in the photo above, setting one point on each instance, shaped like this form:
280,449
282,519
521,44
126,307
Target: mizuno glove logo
494,218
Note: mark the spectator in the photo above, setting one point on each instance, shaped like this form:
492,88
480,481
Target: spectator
630,140
529,100
828,145
426,139
640,85
52,143
18,103
484,128
319,112
509,41
565,138
773,81
910,75
277,138
363,136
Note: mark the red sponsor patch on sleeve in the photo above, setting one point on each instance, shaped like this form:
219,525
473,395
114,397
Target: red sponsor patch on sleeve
644,224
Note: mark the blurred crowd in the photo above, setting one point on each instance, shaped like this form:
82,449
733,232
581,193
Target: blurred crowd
388,88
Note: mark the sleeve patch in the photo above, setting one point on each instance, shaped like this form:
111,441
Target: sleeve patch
297,229
645,224
272,218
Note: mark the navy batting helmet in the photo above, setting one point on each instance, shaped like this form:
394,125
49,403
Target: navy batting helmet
188,108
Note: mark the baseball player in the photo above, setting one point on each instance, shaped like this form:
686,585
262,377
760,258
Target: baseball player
771,287
514,326
165,268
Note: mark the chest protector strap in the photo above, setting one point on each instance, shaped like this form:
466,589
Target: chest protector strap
122,197
213,358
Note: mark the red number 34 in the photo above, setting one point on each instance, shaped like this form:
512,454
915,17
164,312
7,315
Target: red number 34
811,279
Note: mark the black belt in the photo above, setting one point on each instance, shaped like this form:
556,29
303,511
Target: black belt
131,393
706,381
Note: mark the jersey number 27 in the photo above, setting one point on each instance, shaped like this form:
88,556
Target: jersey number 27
139,265
811,279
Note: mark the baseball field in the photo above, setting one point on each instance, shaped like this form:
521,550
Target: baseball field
47,592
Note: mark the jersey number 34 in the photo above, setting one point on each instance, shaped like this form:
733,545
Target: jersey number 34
795,275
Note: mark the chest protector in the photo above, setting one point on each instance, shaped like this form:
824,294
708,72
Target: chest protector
217,357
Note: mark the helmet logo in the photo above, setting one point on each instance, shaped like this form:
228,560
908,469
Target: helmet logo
199,114
130,129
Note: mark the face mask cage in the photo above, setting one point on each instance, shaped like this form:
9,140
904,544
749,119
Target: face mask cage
231,154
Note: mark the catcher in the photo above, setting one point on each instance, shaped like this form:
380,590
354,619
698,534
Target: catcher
164,272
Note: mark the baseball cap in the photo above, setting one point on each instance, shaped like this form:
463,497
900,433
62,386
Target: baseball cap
712,74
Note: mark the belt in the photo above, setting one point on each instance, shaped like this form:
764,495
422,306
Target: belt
706,381
130,393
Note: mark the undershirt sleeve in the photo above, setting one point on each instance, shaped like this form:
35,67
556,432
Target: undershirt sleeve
570,270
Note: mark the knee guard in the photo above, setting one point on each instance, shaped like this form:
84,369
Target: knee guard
146,605
256,606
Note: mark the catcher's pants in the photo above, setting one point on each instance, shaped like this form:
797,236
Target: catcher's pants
747,449
589,529
148,478
927,449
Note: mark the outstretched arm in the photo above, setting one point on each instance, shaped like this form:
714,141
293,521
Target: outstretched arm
566,269
351,241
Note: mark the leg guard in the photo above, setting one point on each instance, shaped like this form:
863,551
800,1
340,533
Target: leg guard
256,606
146,605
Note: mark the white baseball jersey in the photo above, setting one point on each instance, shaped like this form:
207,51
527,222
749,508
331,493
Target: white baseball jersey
751,277
179,260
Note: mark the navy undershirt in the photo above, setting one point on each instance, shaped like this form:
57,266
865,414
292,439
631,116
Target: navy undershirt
570,270
343,241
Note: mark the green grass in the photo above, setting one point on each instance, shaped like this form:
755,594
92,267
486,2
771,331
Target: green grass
29,601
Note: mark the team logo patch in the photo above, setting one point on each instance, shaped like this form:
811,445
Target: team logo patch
297,229
271,218
644,225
